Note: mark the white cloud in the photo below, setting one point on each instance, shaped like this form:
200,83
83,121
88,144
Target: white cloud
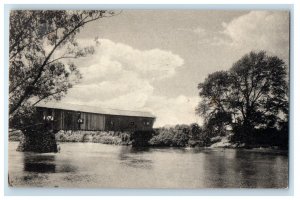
259,30
153,64
172,111
119,76
256,30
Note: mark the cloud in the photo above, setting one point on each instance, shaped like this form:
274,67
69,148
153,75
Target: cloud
153,64
209,37
259,30
172,111
120,76
256,30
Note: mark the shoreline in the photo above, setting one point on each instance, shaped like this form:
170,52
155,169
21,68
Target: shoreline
250,148
123,139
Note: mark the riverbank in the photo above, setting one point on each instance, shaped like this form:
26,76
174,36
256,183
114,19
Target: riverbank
103,137
160,138
225,142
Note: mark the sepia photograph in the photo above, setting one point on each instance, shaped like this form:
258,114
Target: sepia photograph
149,98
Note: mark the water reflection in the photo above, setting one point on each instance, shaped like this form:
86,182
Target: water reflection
39,163
242,168
97,165
66,168
46,163
135,150
133,157
247,168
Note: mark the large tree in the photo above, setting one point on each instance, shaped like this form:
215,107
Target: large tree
253,94
41,46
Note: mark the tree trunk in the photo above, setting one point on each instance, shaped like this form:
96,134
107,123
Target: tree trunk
247,135
141,138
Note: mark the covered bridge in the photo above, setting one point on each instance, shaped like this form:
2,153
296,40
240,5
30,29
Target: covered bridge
80,117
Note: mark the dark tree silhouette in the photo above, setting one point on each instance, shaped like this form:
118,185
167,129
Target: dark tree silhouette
253,94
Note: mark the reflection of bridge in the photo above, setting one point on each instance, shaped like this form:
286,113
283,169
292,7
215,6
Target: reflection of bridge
79,117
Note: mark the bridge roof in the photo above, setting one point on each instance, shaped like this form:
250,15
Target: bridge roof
94,109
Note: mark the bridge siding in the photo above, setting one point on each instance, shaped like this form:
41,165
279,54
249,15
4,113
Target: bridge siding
68,120
128,123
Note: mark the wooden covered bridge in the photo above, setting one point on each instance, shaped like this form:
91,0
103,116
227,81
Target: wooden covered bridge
80,117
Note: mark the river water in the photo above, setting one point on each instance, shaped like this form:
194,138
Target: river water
105,166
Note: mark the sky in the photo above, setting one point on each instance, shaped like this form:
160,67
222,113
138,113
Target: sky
148,60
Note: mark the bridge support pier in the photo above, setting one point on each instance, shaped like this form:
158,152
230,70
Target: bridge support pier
39,141
141,138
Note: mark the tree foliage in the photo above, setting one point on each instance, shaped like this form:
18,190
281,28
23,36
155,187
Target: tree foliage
180,135
251,95
42,45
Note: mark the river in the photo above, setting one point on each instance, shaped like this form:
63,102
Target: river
105,166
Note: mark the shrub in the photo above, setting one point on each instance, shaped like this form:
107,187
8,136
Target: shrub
104,137
177,136
181,136
264,137
15,135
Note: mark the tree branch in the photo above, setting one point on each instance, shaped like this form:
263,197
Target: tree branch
51,94
28,90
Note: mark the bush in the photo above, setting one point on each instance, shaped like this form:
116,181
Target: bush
181,136
266,137
15,135
104,137
177,136
270,137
